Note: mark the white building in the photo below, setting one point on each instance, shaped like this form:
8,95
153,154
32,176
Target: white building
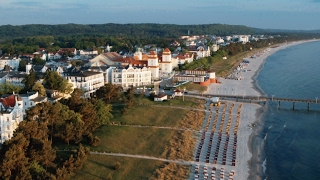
15,78
12,62
166,63
244,39
31,99
13,108
153,64
88,81
10,116
131,76
106,70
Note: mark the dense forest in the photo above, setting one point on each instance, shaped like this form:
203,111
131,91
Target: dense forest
123,30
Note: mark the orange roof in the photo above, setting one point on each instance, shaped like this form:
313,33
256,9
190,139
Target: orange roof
144,56
166,52
152,53
133,61
9,101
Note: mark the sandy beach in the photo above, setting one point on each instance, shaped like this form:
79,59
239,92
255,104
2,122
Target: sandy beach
249,157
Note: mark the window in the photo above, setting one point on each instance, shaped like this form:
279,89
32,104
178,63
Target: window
8,119
8,127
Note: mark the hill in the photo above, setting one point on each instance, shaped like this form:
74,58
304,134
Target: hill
136,30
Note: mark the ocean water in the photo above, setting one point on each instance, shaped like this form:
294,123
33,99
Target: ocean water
292,138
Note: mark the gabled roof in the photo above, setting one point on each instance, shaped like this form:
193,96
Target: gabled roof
133,61
166,52
16,75
9,101
112,55
37,68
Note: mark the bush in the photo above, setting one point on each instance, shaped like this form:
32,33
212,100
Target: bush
117,166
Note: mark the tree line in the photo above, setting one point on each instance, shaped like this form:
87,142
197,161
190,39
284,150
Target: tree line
236,48
34,151
122,30
30,153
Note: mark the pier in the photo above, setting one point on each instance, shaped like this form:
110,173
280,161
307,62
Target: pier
260,99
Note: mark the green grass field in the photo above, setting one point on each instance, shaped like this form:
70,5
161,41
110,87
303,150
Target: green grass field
133,140
150,114
147,141
101,167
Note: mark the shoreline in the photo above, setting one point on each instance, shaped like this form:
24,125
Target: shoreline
250,163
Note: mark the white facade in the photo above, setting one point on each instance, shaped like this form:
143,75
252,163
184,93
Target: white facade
12,62
10,116
131,77
15,78
153,64
31,99
166,64
243,38
88,81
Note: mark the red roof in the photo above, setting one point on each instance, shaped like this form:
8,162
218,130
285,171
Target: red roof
166,52
9,101
132,61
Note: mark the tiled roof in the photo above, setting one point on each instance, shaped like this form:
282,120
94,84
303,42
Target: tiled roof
112,55
9,101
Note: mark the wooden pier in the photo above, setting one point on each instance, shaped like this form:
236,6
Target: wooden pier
260,99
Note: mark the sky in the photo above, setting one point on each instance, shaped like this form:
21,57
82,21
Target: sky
266,14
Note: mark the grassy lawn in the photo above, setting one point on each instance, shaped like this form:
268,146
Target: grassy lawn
147,141
101,167
148,113
193,87
133,140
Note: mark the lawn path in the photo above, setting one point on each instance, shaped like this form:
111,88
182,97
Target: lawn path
159,127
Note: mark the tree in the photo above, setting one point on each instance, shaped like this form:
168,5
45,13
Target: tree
38,87
14,162
22,65
29,81
103,111
108,92
7,88
38,61
52,80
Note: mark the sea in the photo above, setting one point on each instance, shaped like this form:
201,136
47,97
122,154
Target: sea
291,143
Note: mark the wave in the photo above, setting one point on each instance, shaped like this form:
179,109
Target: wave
264,166
264,140
284,126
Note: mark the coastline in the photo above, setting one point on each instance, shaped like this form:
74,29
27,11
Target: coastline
252,157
